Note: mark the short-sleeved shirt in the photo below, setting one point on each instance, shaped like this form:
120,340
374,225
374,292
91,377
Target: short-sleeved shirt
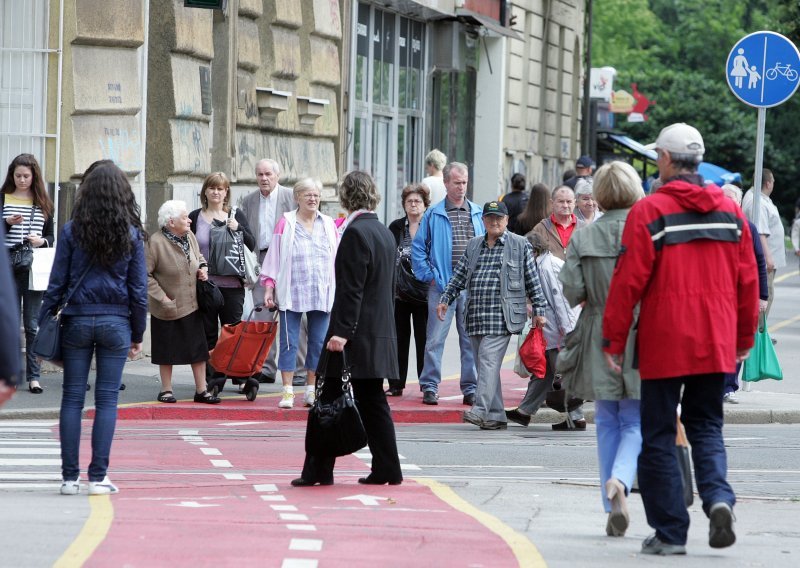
461,224
769,225
311,266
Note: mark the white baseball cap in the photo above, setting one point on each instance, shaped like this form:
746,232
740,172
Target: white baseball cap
679,138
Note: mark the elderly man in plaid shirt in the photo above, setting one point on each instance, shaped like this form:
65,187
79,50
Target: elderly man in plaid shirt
498,272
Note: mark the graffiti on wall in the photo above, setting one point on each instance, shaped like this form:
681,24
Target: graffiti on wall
123,146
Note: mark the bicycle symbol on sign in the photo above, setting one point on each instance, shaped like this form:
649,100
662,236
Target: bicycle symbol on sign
784,70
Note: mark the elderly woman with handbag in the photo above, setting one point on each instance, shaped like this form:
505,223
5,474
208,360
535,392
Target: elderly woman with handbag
28,216
360,324
298,278
586,275
174,263
411,301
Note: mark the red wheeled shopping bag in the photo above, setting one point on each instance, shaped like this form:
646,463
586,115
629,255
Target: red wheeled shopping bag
242,348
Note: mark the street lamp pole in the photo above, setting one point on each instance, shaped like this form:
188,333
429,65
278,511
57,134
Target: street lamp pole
586,144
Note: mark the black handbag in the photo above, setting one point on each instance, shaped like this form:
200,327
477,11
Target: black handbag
334,427
47,343
209,298
407,287
21,254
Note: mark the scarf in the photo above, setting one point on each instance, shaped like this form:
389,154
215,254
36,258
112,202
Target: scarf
181,242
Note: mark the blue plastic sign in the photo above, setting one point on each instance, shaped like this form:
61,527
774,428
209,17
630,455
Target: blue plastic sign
763,69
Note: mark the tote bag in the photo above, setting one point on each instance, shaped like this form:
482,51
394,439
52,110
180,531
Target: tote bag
763,361
225,251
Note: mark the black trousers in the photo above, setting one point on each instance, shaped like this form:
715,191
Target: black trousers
229,313
404,313
377,419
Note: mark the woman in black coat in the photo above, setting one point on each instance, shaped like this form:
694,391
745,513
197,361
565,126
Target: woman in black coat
362,325
415,199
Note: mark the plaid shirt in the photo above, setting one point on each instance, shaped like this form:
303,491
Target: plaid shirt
485,310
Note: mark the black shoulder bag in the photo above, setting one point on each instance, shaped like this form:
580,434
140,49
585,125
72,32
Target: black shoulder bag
21,254
334,427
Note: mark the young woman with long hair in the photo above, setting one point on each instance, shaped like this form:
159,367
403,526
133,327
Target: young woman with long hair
28,215
537,208
100,259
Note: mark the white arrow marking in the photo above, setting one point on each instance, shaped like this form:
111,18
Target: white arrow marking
367,500
192,504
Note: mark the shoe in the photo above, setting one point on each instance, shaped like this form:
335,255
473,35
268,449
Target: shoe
469,399
300,482
308,398
430,397
394,392
514,415
618,519
369,480
206,397
774,341
122,386
35,390
494,425
299,381
720,532
653,545
264,378
104,487
287,400
472,418
71,487
730,397
576,425
166,396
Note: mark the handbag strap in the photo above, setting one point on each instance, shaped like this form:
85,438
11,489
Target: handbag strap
346,376
30,225
71,292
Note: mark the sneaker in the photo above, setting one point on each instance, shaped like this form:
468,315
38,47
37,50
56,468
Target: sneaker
308,398
720,532
104,487
653,545
287,400
71,487
730,398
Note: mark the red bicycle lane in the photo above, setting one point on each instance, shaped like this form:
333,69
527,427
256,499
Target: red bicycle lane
195,494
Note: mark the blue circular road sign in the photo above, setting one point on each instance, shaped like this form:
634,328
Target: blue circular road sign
763,69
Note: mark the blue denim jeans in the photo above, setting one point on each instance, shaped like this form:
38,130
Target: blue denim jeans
108,338
434,345
659,476
619,441
290,334
31,304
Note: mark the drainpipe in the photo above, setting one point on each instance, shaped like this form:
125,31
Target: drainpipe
59,102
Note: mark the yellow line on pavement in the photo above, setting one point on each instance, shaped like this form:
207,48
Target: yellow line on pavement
783,277
92,534
784,323
527,554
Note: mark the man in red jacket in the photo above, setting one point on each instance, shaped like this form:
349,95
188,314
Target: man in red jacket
687,256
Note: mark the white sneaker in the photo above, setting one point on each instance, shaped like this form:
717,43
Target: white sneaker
730,398
308,399
71,487
104,487
287,400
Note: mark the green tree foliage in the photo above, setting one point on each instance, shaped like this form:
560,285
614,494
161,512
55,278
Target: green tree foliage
676,51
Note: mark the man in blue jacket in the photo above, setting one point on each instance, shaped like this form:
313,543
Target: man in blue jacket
439,244
9,328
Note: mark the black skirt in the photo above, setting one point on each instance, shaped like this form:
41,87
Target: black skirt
178,342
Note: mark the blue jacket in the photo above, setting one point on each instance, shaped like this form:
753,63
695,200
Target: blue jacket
432,248
120,290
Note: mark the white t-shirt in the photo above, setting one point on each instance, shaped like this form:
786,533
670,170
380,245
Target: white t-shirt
769,225
436,185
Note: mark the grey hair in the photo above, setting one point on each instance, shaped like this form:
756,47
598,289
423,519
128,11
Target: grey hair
436,159
272,164
685,161
304,185
559,188
733,192
584,186
171,209
454,166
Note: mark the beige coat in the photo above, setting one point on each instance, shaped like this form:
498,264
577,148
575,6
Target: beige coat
171,281
549,234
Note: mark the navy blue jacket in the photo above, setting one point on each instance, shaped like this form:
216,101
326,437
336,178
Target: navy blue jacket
9,320
761,262
120,290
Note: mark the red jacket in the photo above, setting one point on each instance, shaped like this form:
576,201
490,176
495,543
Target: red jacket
687,256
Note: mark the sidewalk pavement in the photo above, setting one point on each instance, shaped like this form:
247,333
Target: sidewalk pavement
764,404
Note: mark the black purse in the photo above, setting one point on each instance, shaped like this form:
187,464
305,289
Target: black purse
21,254
407,287
209,298
47,343
334,427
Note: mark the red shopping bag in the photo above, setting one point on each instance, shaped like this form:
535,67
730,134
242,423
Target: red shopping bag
532,352
242,348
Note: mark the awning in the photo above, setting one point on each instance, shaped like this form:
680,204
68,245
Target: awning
632,144
492,26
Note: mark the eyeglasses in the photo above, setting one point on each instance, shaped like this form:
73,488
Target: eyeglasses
414,202
310,196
